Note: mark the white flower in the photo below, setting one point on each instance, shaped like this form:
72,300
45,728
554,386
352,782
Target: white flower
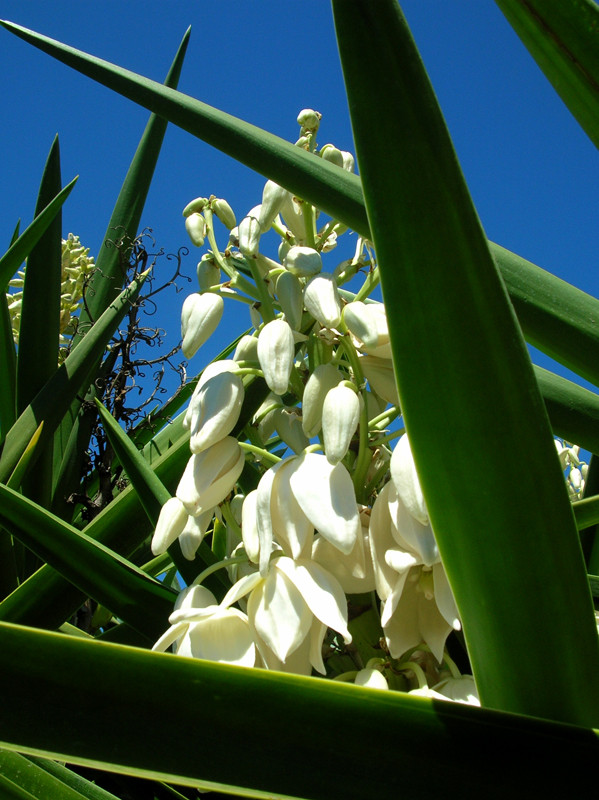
290,295
289,427
210,475
216,410
320,382
200,628
372,678
303,261
368,323
276,352
326,495
193,533
381,377
224,212
195,225
417,602
322,300
200,316
249,232
283,605
171,522
340,417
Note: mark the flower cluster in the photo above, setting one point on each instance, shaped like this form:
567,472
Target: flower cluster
332,559
76,268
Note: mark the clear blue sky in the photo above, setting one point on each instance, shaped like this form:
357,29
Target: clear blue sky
532,172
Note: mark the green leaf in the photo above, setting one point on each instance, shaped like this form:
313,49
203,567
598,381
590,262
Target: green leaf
556,317
106,282
573,411
550,320
128,592
73,435
19,250
40,310
54,399
467,387
429,748
304,174
563,38
41,783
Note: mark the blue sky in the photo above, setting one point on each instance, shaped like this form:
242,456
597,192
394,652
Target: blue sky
532,172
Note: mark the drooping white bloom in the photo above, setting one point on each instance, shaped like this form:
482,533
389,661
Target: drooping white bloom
200,316
192,535
290,296
276,354
224,212
417,602
340,417
381,377
210,371
405,479
303,261
195,225
326,495
372,678
171,522
210,475
354,571
322,300
368,323
273,196
329,152
249,232
200,628
320,382
208,273
217,407
289,427
282,606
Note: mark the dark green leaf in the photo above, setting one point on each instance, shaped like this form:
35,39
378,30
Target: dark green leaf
466,387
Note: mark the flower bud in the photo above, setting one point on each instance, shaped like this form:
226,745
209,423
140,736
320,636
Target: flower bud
171,521
224,212
348,161
381,377
249,233
218,406
309,120
289,427
197,205
330,153
322,300
303,261
247,349
291,212
290,295
368,323
193,533
195,225
272,199
210,475
340,417
372,678
276,354
324,378
405,480
200,316
208,273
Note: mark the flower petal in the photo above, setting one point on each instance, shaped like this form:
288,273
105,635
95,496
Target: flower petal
326,495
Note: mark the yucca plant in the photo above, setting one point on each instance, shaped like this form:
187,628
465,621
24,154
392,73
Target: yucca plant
301,426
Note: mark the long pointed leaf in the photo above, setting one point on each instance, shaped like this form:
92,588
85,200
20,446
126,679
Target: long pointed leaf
19,250
464,376
563,38
427,749
567,338
54,399
107,281
128,592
